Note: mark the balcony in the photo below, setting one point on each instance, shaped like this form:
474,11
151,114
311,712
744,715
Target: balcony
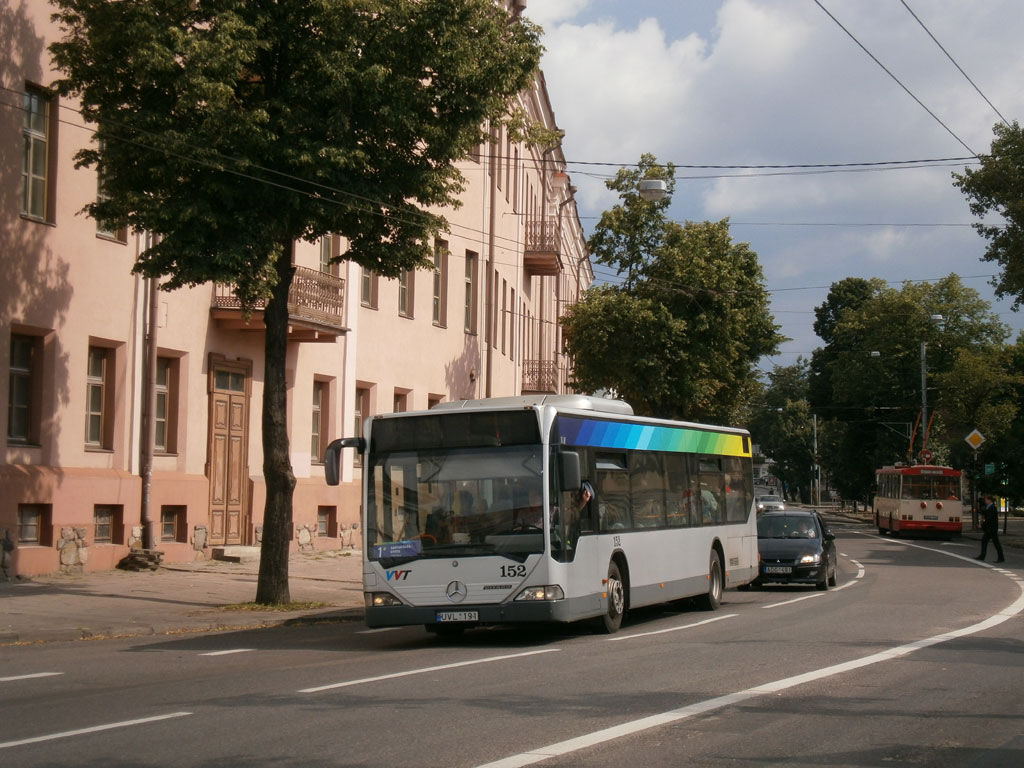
316,304
540,254
540,377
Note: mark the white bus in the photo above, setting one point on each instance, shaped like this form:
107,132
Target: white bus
547,509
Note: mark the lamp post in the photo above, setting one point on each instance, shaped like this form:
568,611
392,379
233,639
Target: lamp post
938,320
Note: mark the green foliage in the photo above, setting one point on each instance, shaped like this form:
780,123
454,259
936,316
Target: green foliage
232,127
867,379
997,187
680,337
782,425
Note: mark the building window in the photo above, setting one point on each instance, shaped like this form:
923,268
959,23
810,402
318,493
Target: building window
24,382
362,411
95,396
104,228
165,416
401,401
173,522
368,288
433,400
470,282
441,283
99,400
504,314
406,288
34,524
35,162
102,524
326,253
316,445
512,327
326,522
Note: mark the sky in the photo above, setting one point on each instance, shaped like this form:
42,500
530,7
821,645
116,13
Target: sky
779,82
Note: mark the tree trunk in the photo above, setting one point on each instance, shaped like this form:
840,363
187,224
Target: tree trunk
272,584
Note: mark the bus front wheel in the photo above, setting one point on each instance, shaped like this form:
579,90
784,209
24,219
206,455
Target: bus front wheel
615,607
713,598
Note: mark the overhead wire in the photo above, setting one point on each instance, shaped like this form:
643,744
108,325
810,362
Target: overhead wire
895,79
954,62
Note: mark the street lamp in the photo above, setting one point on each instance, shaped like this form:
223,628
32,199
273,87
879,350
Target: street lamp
653,189
939,322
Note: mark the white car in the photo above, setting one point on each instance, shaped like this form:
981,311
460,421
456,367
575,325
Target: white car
770,503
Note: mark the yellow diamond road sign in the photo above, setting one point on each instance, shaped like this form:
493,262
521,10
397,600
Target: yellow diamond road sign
975,439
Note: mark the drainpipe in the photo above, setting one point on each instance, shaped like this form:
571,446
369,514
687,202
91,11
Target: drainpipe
150,537
488,325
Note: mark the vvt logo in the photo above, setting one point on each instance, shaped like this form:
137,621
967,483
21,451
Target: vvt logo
398,575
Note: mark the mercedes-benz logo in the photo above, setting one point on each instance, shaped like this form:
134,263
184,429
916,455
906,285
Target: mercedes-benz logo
456,591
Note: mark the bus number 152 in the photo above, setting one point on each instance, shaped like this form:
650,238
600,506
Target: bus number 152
513,571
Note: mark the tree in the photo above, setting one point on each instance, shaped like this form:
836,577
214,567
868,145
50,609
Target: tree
997,187
232,128
781,424
681,335
872,369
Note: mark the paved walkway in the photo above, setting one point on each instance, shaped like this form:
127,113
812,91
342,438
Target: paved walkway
176,598
191,597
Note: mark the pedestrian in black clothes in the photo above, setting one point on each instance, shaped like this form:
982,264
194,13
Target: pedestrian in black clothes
990,529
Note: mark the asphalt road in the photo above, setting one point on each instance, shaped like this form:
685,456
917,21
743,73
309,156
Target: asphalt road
914,659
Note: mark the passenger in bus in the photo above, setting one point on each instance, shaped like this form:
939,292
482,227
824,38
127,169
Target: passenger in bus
532,514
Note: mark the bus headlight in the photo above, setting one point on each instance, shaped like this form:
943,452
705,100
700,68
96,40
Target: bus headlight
380,599
547,592
810,559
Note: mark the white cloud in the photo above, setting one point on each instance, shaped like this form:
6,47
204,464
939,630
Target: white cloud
778,82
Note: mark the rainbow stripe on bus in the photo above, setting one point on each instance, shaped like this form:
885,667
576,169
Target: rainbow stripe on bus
601,433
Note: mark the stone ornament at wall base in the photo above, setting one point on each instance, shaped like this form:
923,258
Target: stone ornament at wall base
200,542
306,535
73,549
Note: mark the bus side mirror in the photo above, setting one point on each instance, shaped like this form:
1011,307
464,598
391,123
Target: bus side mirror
569,471
332,456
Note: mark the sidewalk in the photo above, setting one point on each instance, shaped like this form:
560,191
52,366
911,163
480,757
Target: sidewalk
176,598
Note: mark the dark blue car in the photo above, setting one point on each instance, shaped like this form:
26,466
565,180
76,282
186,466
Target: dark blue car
795,547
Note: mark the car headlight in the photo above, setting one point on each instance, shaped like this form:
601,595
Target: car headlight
546,592
379,599
810,559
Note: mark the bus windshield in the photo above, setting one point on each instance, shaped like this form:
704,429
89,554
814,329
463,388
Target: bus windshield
923,487
462,501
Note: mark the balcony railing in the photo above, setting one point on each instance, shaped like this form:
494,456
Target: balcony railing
540,376
316,307
540,253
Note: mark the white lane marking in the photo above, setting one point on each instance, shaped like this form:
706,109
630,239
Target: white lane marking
379,629
794,600
226,653
93,729
653,721
672,629
28,677
860,575
424,670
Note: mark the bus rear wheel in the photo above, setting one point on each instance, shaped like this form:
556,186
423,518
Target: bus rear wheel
615,607
713,598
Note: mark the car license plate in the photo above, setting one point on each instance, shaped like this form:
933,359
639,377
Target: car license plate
446,616
778,569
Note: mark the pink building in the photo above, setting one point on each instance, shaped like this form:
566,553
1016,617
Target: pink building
92,349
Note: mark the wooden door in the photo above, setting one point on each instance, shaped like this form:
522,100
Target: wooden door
228,469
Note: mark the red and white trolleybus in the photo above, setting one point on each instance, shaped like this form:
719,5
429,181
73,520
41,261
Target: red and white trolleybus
921,498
